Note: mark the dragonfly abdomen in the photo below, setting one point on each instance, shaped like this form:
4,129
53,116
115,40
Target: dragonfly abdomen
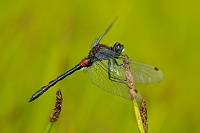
53,82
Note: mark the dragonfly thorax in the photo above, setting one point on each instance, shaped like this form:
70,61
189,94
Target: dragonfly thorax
96,49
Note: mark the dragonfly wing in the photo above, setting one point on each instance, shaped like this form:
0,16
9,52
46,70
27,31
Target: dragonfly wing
99,39
98,74
143,73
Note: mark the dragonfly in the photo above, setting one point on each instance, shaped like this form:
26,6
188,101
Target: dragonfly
104,67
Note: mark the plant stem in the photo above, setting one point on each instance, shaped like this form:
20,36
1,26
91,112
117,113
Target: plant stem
138,117
49,126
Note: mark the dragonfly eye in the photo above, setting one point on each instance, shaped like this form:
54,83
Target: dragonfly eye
118,47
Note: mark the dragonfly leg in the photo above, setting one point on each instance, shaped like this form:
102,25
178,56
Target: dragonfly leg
115,79
116,63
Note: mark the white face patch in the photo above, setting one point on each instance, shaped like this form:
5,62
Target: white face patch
123,50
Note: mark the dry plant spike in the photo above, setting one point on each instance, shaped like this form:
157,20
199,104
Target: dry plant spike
143,114
57,108
129,79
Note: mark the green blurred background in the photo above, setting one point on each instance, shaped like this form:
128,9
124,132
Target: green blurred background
40,40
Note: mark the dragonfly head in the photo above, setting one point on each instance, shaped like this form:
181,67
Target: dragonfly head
118,47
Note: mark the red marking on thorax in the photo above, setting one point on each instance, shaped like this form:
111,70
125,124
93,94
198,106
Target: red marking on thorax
93,51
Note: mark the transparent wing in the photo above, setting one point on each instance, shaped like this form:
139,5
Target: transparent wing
143,73
99,39
98,74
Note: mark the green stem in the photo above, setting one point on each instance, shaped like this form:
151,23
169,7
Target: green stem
49,126
138,117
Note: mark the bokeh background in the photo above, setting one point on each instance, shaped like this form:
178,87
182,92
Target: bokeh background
40,40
